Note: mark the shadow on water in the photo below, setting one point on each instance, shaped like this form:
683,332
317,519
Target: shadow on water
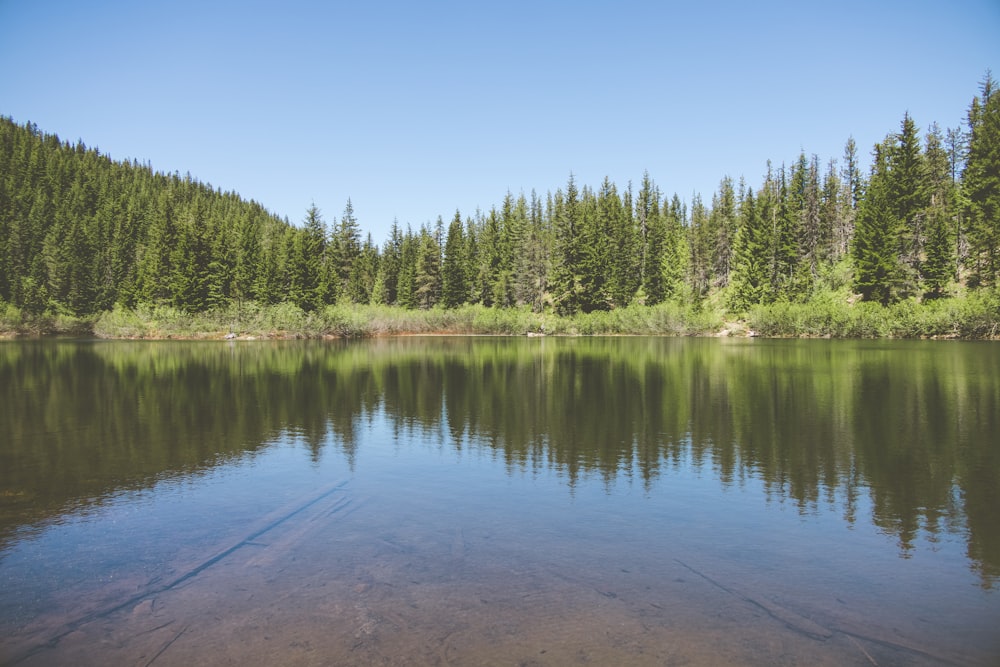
895,435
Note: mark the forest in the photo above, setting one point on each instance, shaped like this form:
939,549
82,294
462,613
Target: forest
83,235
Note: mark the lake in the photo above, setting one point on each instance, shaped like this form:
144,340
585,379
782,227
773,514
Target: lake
466,500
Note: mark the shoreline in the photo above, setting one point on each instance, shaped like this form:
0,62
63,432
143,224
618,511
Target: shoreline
974,317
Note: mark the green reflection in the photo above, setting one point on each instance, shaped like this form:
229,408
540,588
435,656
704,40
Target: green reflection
905,428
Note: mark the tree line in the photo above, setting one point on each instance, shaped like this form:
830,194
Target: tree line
81,233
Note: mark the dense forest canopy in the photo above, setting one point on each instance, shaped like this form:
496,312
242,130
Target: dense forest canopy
81,233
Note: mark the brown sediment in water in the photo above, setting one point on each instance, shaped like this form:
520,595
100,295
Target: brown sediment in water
321,582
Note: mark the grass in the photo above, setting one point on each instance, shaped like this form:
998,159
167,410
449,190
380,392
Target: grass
830,313
973,316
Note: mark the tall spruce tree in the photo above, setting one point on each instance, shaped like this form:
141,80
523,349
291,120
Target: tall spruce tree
674,258
567,255
981,185
875,249
427,271
939,248
532,258
752,269
908,198
454,284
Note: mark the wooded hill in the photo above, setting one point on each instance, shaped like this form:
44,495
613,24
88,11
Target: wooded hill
81,233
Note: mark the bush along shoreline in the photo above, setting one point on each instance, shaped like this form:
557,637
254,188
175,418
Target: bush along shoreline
975,316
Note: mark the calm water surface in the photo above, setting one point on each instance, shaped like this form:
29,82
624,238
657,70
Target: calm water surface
500,501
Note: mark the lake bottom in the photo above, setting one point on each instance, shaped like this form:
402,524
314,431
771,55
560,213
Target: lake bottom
334,579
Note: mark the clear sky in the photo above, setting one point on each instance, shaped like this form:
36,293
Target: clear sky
415,109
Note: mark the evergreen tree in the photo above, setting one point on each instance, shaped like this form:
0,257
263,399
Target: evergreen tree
532,259
647,199
787,232
454,285
406,286
723,223
385,290
347,242
851,174
364,271
835,214
567,251
155,255
648,207
939,249
624,244
908,199
673,261
701,235
306,269
752,258
427,271
875,249
981,184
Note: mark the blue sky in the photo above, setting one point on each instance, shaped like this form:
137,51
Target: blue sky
416,109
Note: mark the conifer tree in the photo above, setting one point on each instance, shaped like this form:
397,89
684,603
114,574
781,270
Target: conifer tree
673,262
701,239
347,248
752,258
364,270
908,199
787,232
723,223
624,245
532,259
567,251
835,213
875,249
427,271
454,286
939,250
406,282
386,281
648,210
981,185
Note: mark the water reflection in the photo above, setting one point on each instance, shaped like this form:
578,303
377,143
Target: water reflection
906,428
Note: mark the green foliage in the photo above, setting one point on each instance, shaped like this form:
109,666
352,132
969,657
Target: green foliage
981,180
829,315
454,281
80,234
751,273
875,249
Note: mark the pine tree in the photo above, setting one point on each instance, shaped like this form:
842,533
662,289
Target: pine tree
386,281
306,247
454,285
908,199
364,270
981,184
752,271
648,205
532,259
701,239
427,273
835,214
406,282
939,249
673,262
647,199
787,232
723,222
347,242
875,249
567,252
